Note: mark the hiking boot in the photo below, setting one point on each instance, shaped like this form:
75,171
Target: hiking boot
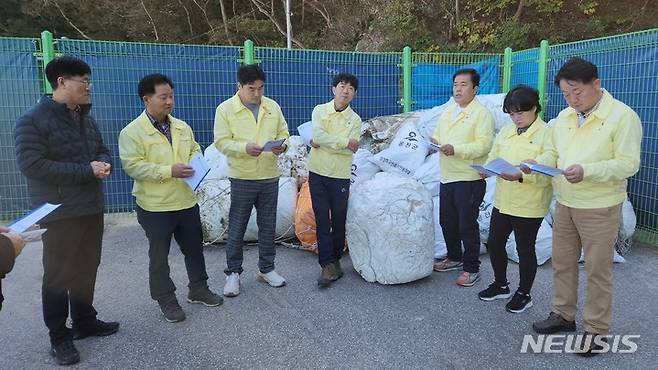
495,291
65,353
271,278
232,286
519,303
204,296
327,276
467,279
589,345
446,265
97,328
553,324
172,311
339,270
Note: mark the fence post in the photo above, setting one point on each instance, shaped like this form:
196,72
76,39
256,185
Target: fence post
542,75
249,57
406,79
507,70
47,54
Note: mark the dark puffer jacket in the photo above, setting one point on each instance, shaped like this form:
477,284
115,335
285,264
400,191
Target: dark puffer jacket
54,153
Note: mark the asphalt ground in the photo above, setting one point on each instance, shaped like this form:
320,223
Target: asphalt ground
426,324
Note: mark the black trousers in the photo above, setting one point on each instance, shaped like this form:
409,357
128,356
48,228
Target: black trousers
71,255
459,204
525,234
329,197
185,227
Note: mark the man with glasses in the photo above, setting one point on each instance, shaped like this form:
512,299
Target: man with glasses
60,151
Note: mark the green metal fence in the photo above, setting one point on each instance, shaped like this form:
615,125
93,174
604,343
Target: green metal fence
300,79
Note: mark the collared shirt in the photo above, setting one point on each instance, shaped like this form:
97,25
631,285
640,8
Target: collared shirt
607,146
163,127
532,197
332,131
147,157
471,134
582,116
235,127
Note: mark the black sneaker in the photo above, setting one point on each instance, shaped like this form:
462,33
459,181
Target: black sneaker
553,324
495,291
519,303
65,353
172,311
204,296
97,329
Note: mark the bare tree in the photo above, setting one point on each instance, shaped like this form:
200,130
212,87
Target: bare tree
69,21
187,13
225,21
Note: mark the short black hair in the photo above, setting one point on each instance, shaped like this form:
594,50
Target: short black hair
249,73
148,83
521,98
347,78
475,76
577,69
65,66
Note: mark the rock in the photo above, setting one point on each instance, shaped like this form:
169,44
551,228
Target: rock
390,230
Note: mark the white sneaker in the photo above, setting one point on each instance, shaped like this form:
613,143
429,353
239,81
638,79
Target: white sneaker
232,286
271,278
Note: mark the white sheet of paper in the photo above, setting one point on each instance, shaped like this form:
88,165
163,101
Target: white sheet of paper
544,170
435,146
24,223
272,144
497,167
305,131
201,169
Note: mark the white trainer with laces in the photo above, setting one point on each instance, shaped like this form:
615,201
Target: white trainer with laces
232,286
271,278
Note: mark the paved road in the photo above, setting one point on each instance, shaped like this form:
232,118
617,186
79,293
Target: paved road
430,323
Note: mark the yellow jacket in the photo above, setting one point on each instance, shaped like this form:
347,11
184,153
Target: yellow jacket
147,157
235,127
531,197
470,133
607,146
332,131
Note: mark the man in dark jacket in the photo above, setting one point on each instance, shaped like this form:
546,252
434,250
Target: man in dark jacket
61,153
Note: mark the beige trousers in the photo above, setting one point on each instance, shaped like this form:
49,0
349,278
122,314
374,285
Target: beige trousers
595,231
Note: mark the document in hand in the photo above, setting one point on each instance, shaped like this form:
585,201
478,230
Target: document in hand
201,169
497,167
23,223
305,131
544,170
434,146
272,144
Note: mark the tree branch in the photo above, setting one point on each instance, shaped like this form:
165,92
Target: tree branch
205,15
70,23
261,8
225,21
155,30
187,12
519,10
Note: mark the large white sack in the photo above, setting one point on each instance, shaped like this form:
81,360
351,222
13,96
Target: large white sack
406,153
494,103
440,247
428,119
543,244
218,163
486,208
214,198
293,162
285,212
362,168
390,229
628,220
429,174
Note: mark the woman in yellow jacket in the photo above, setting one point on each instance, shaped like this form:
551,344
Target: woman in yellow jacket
521,201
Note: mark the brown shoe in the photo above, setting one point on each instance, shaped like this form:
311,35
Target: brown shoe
589,346
553,324
327,276
339,270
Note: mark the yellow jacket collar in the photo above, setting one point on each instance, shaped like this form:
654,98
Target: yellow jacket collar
237,104
148,127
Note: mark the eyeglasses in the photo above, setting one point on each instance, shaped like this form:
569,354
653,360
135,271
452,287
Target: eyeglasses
85,81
